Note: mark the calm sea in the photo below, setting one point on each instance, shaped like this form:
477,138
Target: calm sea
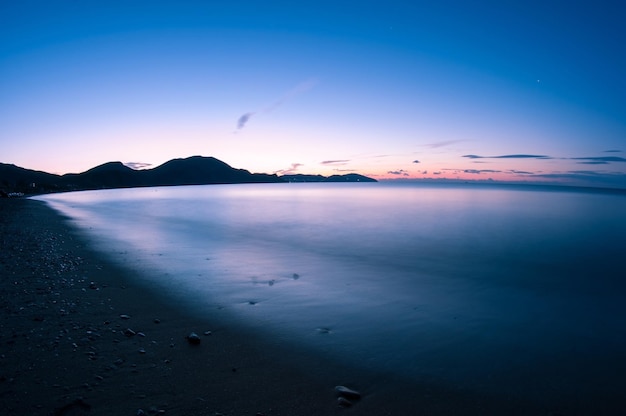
516,290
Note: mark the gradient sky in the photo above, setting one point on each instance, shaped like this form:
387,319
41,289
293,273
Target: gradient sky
516,91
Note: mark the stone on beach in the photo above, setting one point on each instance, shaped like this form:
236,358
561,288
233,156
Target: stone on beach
129,332
347,396
347,393
343,402
193,338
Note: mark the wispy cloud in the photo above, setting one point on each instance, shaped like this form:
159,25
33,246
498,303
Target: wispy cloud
137,165
613,151
515,156
436,145
479,171
587,172
603,160
589,160
297,90
335,162
294,167
241,123
400,172
416,161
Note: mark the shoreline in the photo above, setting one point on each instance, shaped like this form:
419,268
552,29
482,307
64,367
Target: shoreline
66,348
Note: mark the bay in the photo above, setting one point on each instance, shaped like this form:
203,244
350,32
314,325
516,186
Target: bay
514,291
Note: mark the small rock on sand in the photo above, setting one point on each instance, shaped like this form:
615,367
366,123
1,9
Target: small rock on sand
193,338
343,402
347,393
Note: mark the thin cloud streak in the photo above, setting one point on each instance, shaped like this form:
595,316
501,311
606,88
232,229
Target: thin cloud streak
436,145
515,156
297,90
600,160
294,167
335,162
480,171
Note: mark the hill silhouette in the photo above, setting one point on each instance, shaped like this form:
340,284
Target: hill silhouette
108,175
195,170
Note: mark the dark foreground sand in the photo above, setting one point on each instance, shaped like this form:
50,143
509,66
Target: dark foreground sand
65,348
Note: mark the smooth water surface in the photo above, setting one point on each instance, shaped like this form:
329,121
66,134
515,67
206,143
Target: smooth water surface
513,291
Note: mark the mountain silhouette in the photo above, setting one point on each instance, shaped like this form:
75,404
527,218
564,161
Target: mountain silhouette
108,175
198,170
195,170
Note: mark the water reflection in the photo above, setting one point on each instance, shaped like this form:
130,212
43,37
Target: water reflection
476,286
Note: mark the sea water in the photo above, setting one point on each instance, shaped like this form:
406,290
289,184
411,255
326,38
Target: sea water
508,291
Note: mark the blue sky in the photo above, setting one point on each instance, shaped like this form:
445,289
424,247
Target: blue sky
522,91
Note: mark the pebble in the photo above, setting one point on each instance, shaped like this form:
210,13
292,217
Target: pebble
343,402
193,338
129,332
347,393
124,316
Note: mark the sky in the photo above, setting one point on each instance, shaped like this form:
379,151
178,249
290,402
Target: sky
522,91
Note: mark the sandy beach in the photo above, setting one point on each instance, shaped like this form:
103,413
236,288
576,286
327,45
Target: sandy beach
80,337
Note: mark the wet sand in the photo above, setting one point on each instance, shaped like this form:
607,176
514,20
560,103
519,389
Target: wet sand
80,336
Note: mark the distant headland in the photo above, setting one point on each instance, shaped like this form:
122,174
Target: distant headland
195,170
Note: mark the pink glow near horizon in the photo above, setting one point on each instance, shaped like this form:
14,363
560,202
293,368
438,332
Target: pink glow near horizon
293,90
